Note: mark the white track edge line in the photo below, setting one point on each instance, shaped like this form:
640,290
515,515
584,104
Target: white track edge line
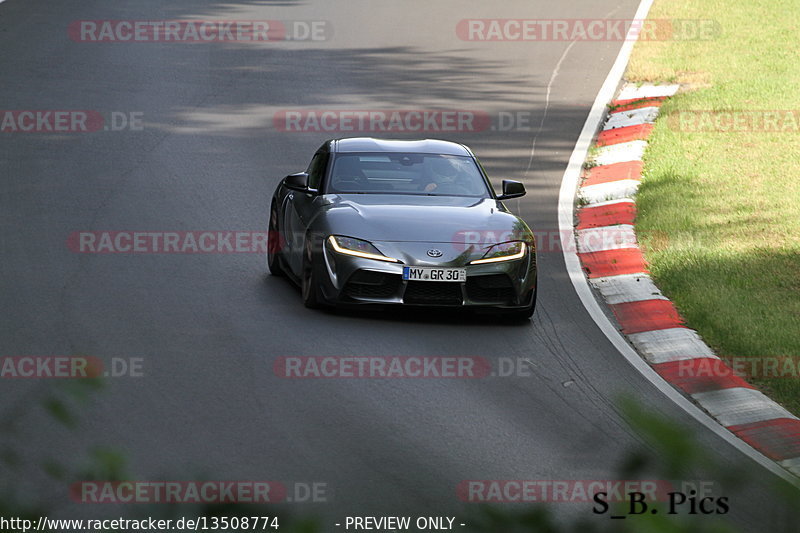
566,205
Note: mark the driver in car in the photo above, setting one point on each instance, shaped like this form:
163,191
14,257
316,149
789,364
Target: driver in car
441,173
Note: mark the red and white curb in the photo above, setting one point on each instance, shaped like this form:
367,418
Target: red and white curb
614,265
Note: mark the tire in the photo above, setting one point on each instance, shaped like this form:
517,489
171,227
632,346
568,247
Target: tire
274,244
308,282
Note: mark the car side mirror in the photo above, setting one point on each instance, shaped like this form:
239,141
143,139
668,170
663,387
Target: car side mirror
512,189
297,181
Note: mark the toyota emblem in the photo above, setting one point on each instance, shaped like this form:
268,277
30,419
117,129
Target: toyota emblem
434,252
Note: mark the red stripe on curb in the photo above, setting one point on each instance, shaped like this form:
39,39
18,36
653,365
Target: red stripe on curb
647,315
625,134
778,438
702,374
618,106
613,262
607,215
627,170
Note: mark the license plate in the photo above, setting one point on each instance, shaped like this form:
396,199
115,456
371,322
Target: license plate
434,274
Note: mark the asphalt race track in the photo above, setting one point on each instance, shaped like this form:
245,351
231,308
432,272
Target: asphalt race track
206,328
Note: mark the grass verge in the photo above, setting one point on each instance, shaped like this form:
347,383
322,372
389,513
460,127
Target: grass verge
727,194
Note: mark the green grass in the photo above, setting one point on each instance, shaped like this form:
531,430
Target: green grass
728,203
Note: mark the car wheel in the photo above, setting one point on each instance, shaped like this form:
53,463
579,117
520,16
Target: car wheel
274,243
308,283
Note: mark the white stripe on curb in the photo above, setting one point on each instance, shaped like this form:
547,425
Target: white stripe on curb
739,405
566,204
631,91
607,193
613,202
792,465
606,238
634,117
627,288
672,344
620,153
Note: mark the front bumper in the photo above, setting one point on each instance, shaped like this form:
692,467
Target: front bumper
355,280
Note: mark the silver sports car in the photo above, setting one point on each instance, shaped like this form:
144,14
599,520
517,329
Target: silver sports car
414,223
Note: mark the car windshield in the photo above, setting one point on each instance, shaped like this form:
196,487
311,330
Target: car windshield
406,173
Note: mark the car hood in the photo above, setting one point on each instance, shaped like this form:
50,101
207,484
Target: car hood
417,218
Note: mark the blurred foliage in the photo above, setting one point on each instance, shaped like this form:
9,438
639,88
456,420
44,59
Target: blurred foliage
62,402
668,451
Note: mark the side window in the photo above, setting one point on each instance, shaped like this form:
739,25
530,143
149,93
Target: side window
316,169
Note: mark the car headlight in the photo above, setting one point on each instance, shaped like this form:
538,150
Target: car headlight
358,248
507,251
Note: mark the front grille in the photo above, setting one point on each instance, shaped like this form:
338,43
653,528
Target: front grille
370,284
492,288
433,293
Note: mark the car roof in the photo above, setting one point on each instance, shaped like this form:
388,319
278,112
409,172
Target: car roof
422,146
